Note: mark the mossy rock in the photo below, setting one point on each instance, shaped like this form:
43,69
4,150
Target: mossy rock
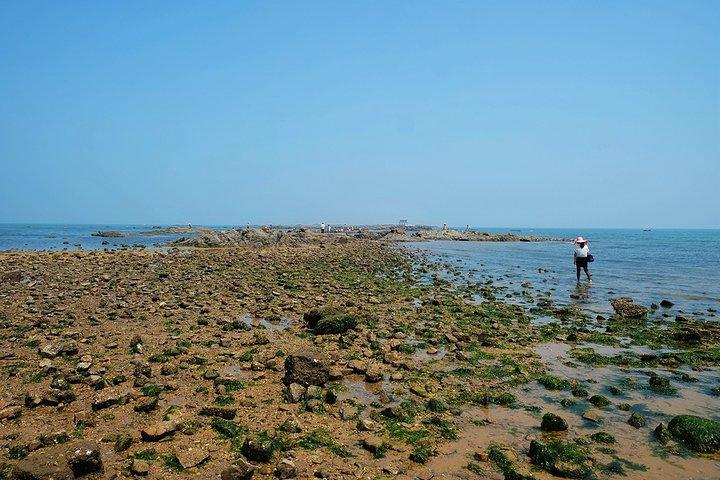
602,437
553,423
699,434
637,420
662,434
662,385
335,324
506,399
312,318
599,401
562,459
552,382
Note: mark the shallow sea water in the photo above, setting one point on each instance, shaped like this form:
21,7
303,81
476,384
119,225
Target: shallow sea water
682,266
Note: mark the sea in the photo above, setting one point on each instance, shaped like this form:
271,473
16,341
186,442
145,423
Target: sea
682,266
648,265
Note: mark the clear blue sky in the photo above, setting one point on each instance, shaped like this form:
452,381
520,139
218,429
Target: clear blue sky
587,114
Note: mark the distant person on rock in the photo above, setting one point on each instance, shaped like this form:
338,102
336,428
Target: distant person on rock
322,227
581,256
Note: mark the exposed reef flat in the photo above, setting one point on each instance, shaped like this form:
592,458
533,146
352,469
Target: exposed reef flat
326,356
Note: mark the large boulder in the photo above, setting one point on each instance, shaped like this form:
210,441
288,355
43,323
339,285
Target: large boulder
66,461
305,371
625,307
699,434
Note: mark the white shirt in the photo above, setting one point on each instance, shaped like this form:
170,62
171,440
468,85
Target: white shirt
582,252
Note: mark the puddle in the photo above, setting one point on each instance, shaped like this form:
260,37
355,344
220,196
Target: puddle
422,355
543,320
281,323
234,370
356,388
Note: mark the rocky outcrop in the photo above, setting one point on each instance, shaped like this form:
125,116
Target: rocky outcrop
260,237
396,235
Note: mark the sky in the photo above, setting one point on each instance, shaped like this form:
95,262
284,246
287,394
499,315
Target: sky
488,113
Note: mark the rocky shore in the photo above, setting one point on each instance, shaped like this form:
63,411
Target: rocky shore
303,355
266,236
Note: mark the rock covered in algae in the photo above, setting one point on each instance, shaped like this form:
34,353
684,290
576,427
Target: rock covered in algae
699,434
335,324
625,307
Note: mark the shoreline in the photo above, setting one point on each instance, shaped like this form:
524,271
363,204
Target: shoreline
403,385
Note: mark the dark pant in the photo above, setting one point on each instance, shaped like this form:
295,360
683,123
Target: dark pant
581,262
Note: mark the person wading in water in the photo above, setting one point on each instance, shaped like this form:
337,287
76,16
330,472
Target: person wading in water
581,257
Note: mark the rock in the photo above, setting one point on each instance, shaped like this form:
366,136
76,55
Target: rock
84,458
158,431
626,308
50,350
312,318
122,442
313,392
53,438
228,413
335,324
687,336
192,457
592,415
357,366
305,371
553,423
372,444
599,401
11,412
10,276
373,375
552,459
660,384
666,303
366,425
295,393
146,404
699,434
256,450
662,433
60,462
139,467
109,398
637,420
291,425
238,470
169,369
285,468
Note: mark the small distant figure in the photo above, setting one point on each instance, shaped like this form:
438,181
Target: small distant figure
467,228
189,225
581,256
445,227
322,227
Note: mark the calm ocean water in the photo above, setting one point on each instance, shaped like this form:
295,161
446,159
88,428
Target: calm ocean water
71,237
679,265
682,266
